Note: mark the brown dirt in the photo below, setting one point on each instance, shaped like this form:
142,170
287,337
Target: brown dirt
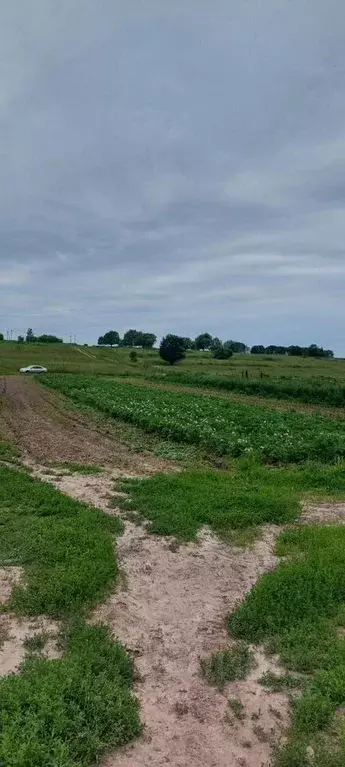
15,630
46,428
9,577
324,514
170,612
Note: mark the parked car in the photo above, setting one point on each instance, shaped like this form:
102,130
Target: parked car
34,369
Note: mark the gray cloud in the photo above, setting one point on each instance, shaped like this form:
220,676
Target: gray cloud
173,168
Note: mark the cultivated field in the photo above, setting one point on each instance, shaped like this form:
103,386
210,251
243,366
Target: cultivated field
172,560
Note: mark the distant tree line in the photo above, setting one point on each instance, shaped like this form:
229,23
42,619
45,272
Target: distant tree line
130,339
294,351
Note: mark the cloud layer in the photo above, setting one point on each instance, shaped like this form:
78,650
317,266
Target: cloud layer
174,168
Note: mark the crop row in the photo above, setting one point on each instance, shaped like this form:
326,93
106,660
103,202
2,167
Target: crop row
224,427
317,391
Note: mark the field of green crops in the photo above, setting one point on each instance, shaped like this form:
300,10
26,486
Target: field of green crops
221,426
321,391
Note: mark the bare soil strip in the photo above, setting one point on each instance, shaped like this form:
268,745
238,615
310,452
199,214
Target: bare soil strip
46,428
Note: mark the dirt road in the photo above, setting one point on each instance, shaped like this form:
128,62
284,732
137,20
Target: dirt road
46,428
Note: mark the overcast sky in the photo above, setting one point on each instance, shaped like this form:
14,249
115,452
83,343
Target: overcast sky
173,167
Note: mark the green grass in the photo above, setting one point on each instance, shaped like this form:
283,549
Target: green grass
249,496
298,611
79,468
226,666
280,682
221,426
64,712
67,712
36,643
237,708
65,546
8,453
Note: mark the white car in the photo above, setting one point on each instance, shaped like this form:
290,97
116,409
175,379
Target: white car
34,369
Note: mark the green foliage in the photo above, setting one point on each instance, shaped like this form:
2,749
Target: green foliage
30,336
237,708
1,337
222,352
138,338
66,712
280,682
180,504
224,427
203,341
133,356
111,338
227,665
65,547
48,339
172,349
314,391
297,610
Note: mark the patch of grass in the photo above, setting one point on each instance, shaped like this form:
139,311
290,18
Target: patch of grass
238,708
227,665
8,452
232,503
66,712
36,644
297,610
79,468
181,504
280,682
65,547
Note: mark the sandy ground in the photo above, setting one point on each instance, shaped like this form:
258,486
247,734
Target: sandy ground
14,630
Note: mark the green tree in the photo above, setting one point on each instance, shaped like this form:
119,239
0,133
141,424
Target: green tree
257,349
30,336
20,339
237,347
111,338
130,338
1,336
48,339
188,343
215,344
133,355
146,340
172,349
204,341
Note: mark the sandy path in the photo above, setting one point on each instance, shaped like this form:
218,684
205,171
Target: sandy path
170,613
